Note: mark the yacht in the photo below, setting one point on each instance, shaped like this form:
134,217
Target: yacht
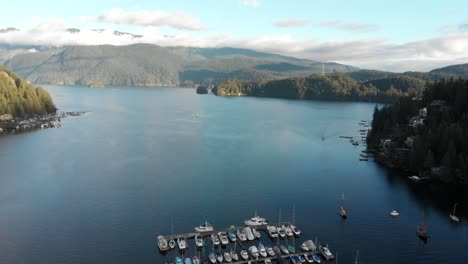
254,252
295,230
227,257
234,255
270,251
232,236
262,250
256,233
223,237
256,221
162,244
205,227
181,243
248,233
214,239
212,258
241,235
272,232
244,254
308,245
281,232
198,241
326,253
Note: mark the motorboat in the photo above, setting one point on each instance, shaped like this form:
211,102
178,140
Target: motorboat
181,243
267,261
219,257
214,239
308,245
248,233
288,230
256,233
295,259
162,244
254,252
295,230
281,232
205,227
309,258
199,241
304,247
394,213
232,236
178,260
241,235
234,255
453,215
270,251
223,237
272,232
172,243
227,257
301,258
212,258
244,254
195,260
317,258
188,261
291,249
326,253
284,250
262,250
277,250
256,221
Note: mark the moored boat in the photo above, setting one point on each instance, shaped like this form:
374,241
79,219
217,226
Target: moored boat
232,236
205,227
270,251
267,261
162,244
254,252
244,254
223,237
172,243
342,211
301,258
326,253
214,239
281,232
234,255
421,231
212,258
248,233
295,230
308,245
277,251
219,257
453,215
272,231
199,241
256,233
394,213
195,260
262,250
256,221
181,243
309,258
317,258
284,250
227,257
295,259
288,230
291,249
178,260
188,261
241,235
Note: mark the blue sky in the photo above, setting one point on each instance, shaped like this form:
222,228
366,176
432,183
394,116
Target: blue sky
395,35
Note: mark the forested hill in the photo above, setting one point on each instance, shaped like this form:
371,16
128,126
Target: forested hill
460,70
19,98
152,65
328,87
428,137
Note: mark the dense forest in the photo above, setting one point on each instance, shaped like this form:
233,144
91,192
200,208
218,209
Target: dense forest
338,86
427,135
19,98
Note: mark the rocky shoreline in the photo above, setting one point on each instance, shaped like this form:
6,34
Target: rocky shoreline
13,125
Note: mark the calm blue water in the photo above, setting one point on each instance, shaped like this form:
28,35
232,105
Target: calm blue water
99,189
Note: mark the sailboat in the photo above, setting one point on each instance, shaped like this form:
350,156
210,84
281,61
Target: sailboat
356,260
342,212
453,215
172,242
421,231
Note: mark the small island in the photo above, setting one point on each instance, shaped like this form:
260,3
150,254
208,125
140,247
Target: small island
426,136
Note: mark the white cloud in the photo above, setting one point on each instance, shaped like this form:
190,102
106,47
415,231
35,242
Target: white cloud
251,3
368,53
156,18
291,22
347,26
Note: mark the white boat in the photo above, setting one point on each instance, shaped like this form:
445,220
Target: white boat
181,243
162,244
453,215
214,239
267,261
241,235
234,255
281,232
256,233
223,237
288,230
308,245
188,261
212,258
284,250
248,233
219,257
272,231
309,258
199,241
326,253
262,250
254,252
270,251
304,247
205,227
172,243
256,221
394,213
295,230
227,257
244,254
